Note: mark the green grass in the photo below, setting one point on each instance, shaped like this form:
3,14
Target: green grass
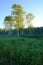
21,51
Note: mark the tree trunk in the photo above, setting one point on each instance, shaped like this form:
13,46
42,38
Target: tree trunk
10,31
18,32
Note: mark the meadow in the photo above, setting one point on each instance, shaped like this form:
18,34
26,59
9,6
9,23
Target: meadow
21,51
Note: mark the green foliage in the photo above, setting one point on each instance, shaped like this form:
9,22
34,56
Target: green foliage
29,18
18,18
21,51
18,14
8,22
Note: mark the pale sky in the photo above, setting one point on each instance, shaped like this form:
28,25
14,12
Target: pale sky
34,6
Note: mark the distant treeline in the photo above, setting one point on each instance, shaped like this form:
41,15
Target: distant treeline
30,32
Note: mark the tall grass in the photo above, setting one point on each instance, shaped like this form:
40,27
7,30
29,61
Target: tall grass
21,51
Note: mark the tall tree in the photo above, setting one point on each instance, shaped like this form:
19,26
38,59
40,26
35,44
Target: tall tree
8,22
29,18
18,14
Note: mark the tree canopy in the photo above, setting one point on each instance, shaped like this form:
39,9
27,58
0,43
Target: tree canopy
29,18
8,22
18,14
17,17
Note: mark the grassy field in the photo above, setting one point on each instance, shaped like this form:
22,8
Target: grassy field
21,51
